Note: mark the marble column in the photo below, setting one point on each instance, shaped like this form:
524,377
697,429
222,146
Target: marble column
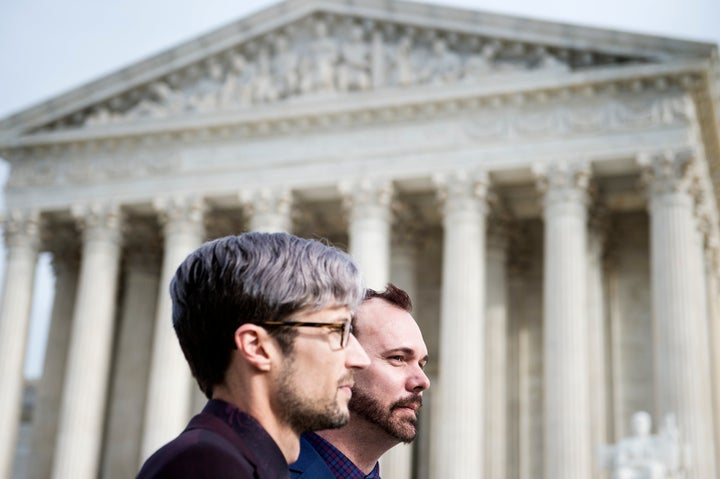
170,389
80,431
712,273
368,203
496,346
132,356
397,462
459,399
65,264
269,210
21,243
404,248
525,385
680,329
597,328
568,451
516,279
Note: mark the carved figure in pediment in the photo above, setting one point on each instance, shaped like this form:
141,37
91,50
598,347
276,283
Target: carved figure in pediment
481,62
101,116
443,65
237,89
206,91
264,85
354,68
405,69
548,61
161,101
320,62
173,101
147,107
285,65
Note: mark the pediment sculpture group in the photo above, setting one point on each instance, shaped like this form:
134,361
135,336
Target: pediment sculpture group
280,67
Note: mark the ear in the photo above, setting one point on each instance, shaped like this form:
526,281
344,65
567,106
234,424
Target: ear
254,345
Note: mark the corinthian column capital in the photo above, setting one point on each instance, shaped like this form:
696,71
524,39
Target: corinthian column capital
268,208
667,172
99,221
462,191
21,228
562,182
366,197
267,200
180,214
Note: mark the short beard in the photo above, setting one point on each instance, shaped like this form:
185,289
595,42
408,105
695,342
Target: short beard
369,408
304,414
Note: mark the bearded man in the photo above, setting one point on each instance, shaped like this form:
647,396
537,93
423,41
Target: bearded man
386,397
265,323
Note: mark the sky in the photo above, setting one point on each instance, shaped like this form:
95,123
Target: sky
48,47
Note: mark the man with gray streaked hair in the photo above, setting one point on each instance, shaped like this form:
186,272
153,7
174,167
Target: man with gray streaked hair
264,321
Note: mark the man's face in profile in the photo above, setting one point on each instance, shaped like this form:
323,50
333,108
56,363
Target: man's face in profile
315,383
388,393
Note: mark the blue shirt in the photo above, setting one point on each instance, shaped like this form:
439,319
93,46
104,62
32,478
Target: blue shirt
339,464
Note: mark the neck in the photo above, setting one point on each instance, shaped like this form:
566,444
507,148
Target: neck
361,442
260,408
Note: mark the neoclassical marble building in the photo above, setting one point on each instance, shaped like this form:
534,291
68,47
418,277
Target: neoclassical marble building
547,193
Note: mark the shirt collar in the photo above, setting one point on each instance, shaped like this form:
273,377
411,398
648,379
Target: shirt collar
339,464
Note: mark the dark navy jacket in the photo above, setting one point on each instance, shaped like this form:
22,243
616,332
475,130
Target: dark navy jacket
221,442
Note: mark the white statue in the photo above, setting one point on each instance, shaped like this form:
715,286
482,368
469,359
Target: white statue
548,61
647,456
319,63
354,68
264,87
480,63
205,93
101,116
160,101
284,68
237,89
407,73
443,65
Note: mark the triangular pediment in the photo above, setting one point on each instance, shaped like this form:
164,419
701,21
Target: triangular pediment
305,50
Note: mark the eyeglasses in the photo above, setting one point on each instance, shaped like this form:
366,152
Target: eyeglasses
344,327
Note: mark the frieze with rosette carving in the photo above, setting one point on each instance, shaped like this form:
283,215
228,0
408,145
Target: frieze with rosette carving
329,55
598,114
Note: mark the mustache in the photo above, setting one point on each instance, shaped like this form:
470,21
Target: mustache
348,378
414,400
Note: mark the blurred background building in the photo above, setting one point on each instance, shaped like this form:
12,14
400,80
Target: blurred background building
547,194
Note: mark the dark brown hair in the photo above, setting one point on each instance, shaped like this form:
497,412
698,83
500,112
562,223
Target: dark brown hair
392,295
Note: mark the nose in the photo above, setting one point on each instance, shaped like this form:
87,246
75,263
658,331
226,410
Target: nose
419,381
355,355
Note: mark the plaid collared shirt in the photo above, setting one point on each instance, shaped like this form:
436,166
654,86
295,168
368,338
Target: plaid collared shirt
339,464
